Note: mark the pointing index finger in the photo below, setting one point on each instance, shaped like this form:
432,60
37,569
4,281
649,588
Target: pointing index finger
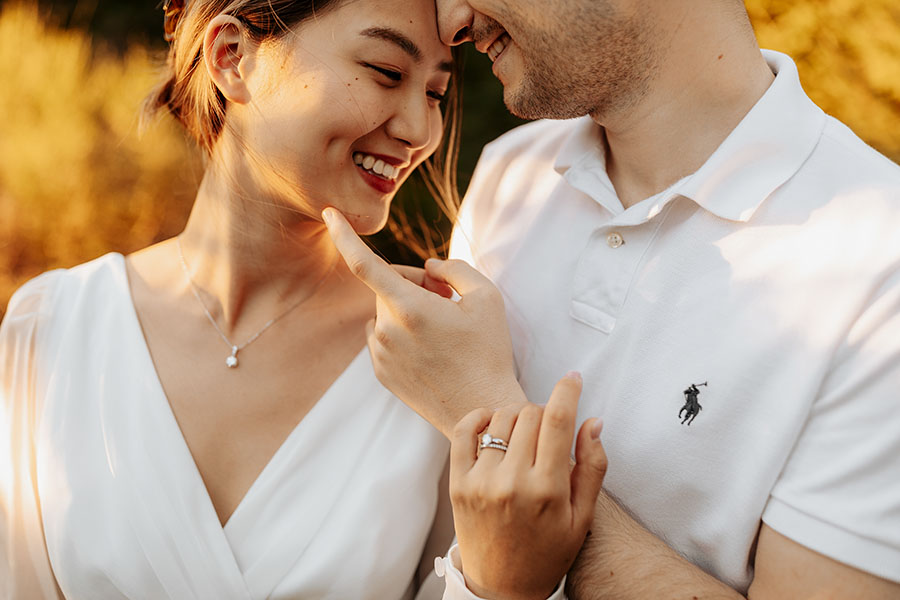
363,263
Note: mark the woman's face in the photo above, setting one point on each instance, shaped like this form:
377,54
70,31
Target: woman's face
344,109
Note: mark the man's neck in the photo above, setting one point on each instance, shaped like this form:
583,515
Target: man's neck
703,91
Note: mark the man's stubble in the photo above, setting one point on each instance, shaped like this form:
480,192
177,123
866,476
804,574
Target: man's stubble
589,61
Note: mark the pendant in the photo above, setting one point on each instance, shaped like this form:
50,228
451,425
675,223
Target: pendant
232,361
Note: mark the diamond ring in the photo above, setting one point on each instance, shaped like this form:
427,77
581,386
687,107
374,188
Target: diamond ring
489,441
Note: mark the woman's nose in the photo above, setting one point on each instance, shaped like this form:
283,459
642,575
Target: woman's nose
412,123
454,21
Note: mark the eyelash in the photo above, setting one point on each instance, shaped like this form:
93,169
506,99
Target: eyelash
397,76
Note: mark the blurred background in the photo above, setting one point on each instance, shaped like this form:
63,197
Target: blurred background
76,180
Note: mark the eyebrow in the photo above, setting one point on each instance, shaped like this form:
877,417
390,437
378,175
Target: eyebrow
403,42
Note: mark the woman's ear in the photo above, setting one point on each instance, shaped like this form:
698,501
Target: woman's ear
224,49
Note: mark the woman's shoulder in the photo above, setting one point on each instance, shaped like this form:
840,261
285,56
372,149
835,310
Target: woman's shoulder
49,295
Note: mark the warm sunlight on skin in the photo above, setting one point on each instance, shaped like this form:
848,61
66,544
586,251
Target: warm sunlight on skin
380,80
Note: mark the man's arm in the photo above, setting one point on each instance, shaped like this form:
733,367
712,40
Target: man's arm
622,560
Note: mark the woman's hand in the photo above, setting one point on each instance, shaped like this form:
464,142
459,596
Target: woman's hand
442,358
522,515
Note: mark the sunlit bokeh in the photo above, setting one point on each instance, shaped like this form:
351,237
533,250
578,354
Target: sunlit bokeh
77,181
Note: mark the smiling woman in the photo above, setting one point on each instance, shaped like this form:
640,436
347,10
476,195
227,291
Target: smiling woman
201,419
352,73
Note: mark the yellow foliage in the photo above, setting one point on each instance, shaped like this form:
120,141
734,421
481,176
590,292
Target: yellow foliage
76,181
848,53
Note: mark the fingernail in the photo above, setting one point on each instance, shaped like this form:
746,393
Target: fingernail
597,429
327,215
574,376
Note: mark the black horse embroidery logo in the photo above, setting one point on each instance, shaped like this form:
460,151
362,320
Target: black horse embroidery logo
691,407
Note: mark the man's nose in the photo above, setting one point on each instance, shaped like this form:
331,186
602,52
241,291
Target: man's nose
455,21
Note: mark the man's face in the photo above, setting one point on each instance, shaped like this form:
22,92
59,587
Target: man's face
559,59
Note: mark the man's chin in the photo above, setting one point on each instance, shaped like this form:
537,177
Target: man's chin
526,106
531,104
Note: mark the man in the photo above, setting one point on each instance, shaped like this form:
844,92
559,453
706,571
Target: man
699,221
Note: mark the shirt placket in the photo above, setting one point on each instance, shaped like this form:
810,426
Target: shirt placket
607,269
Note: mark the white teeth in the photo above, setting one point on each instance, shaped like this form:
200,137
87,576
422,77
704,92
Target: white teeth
375,165
498,47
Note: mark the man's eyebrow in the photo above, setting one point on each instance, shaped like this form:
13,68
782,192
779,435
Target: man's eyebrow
404,43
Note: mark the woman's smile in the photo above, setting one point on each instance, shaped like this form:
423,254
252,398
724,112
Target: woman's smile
379,171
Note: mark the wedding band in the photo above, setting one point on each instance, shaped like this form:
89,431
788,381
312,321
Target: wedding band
489,441
495,446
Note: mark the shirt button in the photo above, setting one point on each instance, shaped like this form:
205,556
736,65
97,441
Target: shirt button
615,240
439,566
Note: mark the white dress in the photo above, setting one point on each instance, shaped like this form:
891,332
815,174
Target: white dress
100,496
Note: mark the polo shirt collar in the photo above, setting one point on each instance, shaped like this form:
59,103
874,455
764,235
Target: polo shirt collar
763,152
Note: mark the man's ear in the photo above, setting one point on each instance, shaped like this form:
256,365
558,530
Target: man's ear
224,48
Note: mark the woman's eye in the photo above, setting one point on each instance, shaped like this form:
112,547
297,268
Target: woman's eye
390,74
437,96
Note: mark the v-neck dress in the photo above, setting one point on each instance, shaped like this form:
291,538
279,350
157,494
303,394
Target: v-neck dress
100,497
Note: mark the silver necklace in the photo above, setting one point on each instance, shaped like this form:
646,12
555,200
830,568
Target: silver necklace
232,361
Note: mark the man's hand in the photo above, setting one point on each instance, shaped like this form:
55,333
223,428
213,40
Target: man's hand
521,516
442,358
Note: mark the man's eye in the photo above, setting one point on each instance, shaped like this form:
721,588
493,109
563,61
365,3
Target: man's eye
392,75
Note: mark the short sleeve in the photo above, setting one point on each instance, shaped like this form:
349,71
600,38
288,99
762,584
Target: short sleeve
25,570
839,493
455,588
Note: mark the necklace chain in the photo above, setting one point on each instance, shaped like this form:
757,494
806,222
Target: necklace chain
232,361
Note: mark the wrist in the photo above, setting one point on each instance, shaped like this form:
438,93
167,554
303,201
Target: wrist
492,393
476,591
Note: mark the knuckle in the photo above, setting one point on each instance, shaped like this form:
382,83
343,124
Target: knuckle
459,495
464,429
410,318
545,493
601,465
556,419
502,493
531,412
461,430
505,415
358,266
382,337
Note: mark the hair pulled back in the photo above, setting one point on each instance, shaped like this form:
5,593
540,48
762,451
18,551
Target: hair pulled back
187,91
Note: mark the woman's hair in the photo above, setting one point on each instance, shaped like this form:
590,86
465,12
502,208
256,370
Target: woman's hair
188,93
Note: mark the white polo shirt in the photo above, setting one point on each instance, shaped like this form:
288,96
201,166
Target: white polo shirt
770,278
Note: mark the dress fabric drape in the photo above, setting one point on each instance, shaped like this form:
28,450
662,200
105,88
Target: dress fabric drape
101,497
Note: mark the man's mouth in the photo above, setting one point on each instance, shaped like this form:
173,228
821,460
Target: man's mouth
376,166
497,48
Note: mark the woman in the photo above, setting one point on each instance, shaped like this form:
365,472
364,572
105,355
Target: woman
200,419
